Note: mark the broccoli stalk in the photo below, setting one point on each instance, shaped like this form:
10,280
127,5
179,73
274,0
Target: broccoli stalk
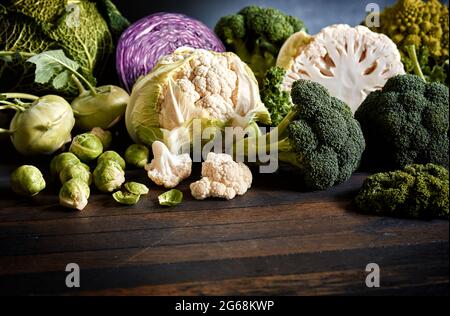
417,191
256,35
319,136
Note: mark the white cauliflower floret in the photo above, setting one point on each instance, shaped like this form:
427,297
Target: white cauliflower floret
222,178
166,168
349,61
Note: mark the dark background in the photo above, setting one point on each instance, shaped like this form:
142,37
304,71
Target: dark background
315,13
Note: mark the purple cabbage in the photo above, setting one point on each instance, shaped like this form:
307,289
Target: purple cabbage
146,41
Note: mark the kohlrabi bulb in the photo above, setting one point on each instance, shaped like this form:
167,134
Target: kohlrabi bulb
44,127
27,180
102,109
86,146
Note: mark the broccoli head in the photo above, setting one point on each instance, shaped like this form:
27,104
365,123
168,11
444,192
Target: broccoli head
417,191
319,136
276,100
423,24
256,34
404,123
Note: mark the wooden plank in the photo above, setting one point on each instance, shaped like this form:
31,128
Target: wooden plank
382,233
176,219
347,282
430,260
186,234
172,219
279,191
34,244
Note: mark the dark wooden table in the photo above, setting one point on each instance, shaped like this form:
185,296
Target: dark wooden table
274,240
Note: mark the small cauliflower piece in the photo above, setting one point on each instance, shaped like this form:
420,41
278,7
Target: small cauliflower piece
222,178
349,61
166,168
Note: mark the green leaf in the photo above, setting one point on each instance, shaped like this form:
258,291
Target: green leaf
54,66
171,198
126,198
136,188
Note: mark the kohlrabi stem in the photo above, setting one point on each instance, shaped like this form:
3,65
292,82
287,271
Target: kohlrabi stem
6,102
24,96
76,76
78,84
411,49
11,106
5,131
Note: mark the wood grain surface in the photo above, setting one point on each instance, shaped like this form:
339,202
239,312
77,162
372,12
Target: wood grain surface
274,240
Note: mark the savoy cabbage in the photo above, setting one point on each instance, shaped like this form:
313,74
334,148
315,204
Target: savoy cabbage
84,29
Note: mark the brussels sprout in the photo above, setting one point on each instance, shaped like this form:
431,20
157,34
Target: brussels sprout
100,108
171,198
27,180
62,161
86,146
105,136
136,188
137,155
108,176
112,155
80,171
41,127
74,194
126,198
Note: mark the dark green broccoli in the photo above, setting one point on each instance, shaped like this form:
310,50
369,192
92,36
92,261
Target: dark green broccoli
256,34
277,100
417,191
404,123
319,136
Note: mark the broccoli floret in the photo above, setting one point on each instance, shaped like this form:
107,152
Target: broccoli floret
423,24
276,100
256,34
406,122
319,136
417,191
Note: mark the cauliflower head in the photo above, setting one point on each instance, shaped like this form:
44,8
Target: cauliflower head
193,84
168,169
222,178
349,61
